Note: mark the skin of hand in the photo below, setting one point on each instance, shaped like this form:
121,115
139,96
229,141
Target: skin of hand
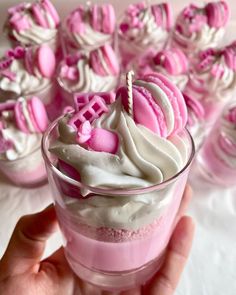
22,271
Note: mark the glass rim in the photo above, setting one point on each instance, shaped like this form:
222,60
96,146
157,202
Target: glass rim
105,191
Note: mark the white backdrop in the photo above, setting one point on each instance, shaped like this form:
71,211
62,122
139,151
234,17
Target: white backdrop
211,269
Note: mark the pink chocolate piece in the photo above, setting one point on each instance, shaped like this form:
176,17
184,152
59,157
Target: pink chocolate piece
90,111
20,22
218,14
84,132
46,61
103,140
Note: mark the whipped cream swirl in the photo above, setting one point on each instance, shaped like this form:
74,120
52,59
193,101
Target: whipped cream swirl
88,80
143,159
207,37
23,83
137,40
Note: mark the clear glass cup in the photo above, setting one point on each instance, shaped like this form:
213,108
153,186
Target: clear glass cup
114,258
27,171
217,158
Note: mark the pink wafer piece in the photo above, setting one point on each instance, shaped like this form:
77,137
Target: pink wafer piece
95,107
39,17
218,14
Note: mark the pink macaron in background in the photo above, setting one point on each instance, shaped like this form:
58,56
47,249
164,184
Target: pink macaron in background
23,122
89,26
171,62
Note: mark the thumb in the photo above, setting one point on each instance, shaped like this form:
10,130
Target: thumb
27,243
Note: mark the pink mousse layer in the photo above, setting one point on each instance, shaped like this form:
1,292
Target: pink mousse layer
131,254
217,170
25,177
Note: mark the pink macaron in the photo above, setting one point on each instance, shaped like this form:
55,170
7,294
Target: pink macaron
41,9
104,61
173,60
151,109
103,18
44,58
36,113
218,14
163,15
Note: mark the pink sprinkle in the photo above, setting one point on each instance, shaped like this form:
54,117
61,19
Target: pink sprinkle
20,22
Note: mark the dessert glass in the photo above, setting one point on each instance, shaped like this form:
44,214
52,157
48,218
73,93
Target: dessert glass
217,158
27,171
114,258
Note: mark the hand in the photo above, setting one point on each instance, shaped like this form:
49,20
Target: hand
23,273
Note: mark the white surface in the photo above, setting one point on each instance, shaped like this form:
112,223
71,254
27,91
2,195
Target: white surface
211,269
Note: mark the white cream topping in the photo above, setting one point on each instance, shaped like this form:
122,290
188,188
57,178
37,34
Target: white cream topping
89,81
143,159
179,80
24,83
23,144
89,39
207,37
220,89
137,40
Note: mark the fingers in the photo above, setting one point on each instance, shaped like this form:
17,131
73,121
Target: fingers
187,196
27,243
166,280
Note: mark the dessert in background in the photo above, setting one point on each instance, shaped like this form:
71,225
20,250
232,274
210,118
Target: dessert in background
201,27
98,71
21,126
30,24
218,155
89,27
196,120
27,72
213,80
172,63
144,28
118,175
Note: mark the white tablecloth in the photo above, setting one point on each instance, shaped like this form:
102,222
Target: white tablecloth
211,269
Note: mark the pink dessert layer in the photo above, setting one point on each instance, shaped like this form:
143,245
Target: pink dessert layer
215,168
26,178
129,249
